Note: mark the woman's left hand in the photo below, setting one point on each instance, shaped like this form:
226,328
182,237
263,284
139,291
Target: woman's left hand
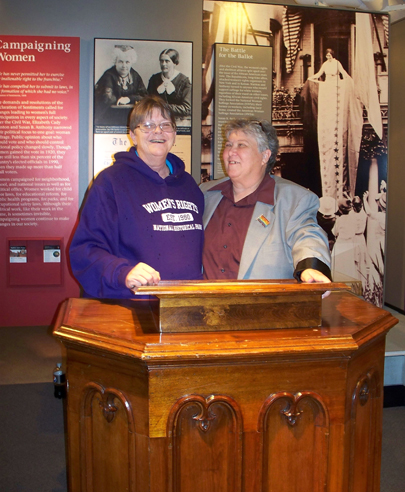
123,101
310,276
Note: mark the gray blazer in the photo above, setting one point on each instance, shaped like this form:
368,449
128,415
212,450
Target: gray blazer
293,235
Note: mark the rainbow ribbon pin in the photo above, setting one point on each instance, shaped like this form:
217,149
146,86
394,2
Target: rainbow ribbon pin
263,221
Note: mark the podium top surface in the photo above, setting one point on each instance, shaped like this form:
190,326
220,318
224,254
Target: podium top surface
216,288
127,328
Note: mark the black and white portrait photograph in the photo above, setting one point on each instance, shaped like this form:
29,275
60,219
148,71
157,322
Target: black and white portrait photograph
127,70
118,88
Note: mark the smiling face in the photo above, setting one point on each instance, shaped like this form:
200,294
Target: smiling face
166,65
153,147
123,64
244,163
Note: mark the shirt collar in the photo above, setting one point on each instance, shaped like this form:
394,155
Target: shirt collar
264,192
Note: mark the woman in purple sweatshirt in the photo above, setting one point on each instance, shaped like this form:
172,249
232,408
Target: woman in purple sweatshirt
142,218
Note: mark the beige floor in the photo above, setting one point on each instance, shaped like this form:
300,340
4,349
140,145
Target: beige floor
28,354
395,341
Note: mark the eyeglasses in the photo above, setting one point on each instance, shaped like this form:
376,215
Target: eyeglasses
149,126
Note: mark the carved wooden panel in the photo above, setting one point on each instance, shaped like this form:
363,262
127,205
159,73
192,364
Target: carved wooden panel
161,432
205,443
366,415
294,448
107,440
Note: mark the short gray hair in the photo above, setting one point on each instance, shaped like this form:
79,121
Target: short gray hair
264,133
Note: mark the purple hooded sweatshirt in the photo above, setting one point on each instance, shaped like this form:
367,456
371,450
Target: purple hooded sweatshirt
132,215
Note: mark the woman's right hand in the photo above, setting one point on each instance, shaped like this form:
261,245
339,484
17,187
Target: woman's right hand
142,274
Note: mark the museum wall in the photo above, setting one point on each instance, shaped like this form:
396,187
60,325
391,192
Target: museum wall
177,20
181,20
166,20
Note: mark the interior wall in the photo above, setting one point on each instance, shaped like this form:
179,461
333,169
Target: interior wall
395,248
181,20
171,20
166,20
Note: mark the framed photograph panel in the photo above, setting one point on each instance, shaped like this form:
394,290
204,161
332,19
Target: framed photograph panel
125,71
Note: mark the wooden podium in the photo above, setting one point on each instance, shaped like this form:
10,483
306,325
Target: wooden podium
266,402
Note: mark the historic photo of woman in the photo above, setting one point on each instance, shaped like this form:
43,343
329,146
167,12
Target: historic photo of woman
118,89
172,86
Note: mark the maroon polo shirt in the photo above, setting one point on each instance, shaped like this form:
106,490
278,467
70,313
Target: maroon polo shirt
226,231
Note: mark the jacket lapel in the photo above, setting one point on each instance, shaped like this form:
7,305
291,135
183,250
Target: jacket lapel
256,235
212,199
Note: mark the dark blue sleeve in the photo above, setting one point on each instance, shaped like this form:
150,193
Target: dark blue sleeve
94,251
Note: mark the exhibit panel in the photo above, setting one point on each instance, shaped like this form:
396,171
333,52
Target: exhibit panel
39,149
255,410
329,105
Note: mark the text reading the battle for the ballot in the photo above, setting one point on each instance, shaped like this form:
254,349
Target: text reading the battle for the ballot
234,53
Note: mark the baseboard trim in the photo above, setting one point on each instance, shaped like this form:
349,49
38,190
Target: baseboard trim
394,396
